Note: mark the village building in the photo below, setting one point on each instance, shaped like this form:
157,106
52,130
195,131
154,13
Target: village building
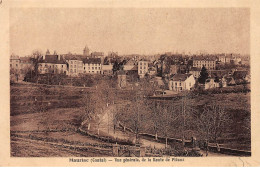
19,66
151,69
52,64
86,51
208,62
142,68
195,72
174,69
92,65
75,65
14,62
225,59
107,69
241,76
211,83
227,81
181,82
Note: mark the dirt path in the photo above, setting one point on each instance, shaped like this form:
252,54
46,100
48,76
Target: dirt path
106,127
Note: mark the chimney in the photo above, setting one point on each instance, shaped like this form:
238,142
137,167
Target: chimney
43,57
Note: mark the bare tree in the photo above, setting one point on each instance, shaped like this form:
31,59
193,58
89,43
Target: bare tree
155,117
213,121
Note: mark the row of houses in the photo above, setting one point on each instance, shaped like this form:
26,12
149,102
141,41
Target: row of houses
179,78
216,79
73,65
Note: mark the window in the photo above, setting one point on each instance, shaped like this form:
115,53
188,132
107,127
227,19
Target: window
95,68
74,66
140,67
16,65
61,66
75,70
140,63
99,68
10,65
89,68
92,68
71,70
180,83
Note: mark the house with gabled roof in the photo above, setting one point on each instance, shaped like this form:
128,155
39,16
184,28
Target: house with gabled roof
181,82
212,83
52,64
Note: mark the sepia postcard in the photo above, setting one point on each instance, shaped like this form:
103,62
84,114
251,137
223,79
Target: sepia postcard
129,83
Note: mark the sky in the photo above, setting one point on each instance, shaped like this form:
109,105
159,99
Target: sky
130,30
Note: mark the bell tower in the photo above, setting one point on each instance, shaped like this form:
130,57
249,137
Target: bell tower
86,51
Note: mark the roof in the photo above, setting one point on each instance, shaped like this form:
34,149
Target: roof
53,59
230,80
25,58
91,61
239,74
180,77
195,69
97,53
130,67
217,73
73,57
208,58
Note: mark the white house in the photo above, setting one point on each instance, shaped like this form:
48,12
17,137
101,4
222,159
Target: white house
142,68
210,83
181,82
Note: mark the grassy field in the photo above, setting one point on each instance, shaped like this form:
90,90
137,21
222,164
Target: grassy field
38,125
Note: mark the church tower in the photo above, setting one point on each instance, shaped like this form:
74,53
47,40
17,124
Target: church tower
86,51
48,52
